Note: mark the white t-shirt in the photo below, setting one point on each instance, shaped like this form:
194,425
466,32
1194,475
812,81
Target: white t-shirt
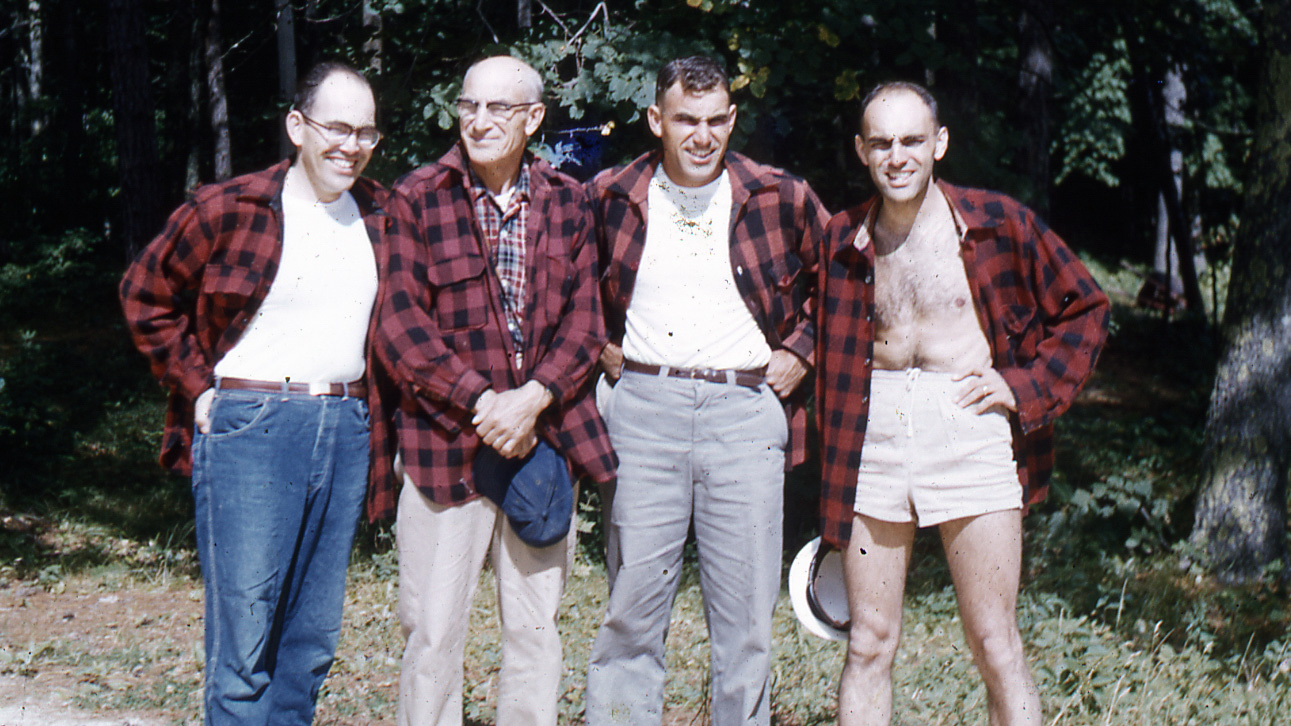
313,323
686,311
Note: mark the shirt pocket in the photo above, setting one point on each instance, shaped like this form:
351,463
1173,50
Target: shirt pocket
781,277
229,287
1019,327
461,293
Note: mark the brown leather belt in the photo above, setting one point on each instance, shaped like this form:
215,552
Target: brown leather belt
749,379
353,389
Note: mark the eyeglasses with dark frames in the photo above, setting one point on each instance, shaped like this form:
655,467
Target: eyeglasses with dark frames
337,132
467,108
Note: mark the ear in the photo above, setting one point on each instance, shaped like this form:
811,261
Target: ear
943,142
860,150
730,122
295,128
654,117
534,119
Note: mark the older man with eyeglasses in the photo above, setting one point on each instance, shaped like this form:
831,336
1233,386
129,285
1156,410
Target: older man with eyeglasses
491,330
254,306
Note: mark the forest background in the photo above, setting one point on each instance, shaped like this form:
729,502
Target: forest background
1151,134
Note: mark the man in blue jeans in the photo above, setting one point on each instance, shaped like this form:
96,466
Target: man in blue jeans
253,306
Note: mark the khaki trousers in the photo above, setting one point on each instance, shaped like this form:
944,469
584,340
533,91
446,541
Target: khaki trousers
441,553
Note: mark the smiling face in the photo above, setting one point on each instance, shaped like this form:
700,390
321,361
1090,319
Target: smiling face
900,142
695,128
496,143
332,168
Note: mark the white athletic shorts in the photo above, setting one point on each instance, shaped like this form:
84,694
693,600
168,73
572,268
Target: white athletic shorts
928,461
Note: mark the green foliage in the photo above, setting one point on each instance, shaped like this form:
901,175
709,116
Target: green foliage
1093,135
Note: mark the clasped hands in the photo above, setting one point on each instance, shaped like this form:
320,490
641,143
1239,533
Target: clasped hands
506,421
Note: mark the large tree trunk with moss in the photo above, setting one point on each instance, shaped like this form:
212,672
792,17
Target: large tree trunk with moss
1241,509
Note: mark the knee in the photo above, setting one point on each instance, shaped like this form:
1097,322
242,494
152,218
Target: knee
999,651
872,645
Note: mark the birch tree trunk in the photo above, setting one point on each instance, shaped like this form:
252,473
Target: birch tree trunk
36,67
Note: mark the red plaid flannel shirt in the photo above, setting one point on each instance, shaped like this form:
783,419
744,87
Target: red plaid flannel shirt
1044,316
442,331
193,290
504,229
776,221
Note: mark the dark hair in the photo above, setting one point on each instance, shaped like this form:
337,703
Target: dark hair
697,74
307,87
884,88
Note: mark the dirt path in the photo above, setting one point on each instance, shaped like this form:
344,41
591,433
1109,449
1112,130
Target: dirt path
27,702
57,646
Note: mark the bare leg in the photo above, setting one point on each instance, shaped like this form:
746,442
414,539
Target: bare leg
985,558
874,566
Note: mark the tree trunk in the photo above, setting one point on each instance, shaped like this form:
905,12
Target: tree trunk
1166,258
219,101
286,67
1035,87
372,47
199,10
133,111
957,82
67,123
1240,524
36,67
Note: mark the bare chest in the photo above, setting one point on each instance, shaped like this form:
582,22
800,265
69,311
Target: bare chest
921,284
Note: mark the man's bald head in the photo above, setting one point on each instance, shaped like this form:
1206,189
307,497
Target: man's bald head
894,87
510,70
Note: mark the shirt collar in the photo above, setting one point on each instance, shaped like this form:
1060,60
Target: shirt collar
477,189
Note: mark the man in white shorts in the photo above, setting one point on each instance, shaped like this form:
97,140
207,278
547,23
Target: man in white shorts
953,328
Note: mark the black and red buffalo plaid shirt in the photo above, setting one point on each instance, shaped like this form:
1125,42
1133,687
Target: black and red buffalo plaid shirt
776,221
442,331
1044,317
191,293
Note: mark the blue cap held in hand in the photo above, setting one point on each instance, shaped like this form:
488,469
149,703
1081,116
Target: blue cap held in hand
535,492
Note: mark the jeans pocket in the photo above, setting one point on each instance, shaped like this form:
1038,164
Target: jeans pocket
232,414
362,416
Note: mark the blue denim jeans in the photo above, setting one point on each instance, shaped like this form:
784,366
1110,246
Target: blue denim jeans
278,484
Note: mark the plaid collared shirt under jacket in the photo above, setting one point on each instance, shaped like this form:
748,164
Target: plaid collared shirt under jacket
442,331
504,229
776,222
1044,317
191,293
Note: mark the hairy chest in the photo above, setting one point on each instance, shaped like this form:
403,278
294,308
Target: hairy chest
921,283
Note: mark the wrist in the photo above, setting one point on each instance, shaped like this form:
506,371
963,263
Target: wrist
539,395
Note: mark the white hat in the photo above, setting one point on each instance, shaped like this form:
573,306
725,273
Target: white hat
817,591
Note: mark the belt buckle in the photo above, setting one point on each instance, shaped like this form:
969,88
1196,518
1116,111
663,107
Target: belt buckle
317,388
